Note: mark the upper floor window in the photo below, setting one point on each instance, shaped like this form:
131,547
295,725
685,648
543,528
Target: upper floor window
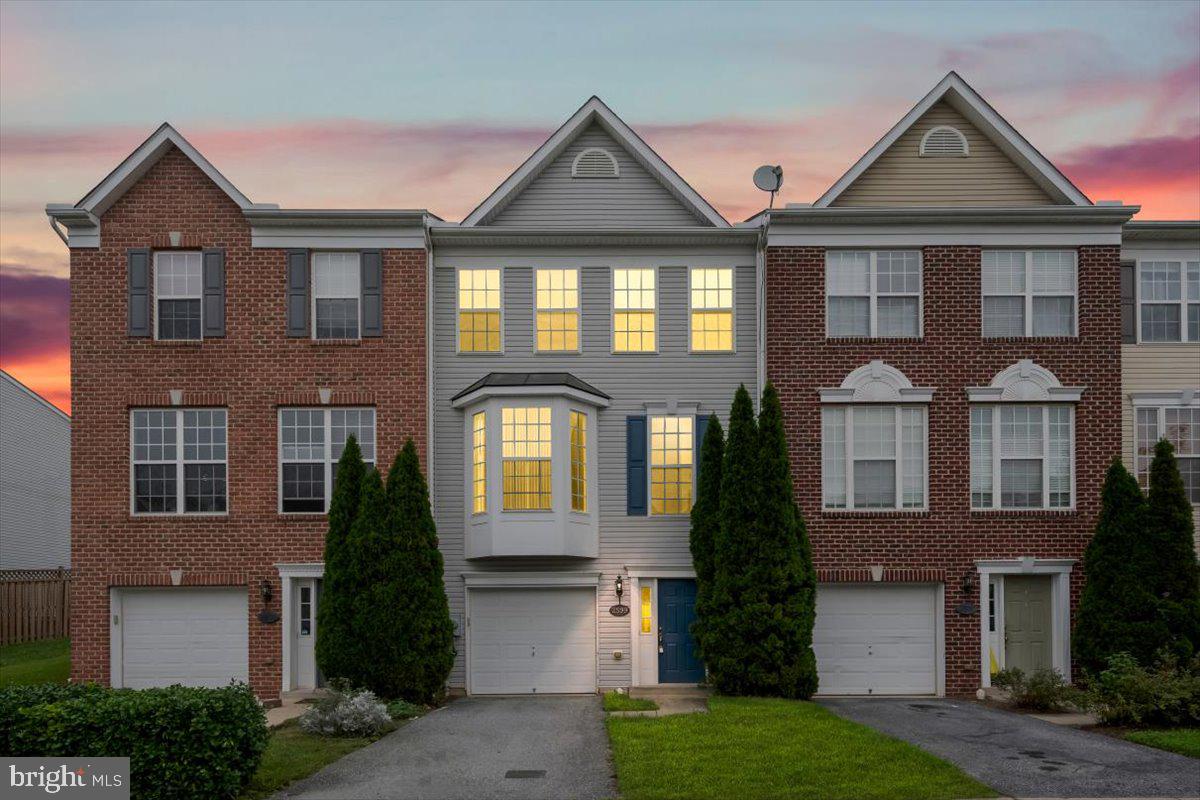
179,462
1021,456
1169,301
711,309
311,441
671,461
335,296
1029,293
178,295
579,448
873,293
873,457
635,310
479,323
557,310
1181,427
526,444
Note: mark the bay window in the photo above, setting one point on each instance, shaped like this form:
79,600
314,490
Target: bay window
526,441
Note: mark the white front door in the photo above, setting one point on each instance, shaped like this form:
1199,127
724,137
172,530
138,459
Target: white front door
532,641
876,639
304,633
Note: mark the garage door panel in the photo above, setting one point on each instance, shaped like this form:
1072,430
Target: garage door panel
197,637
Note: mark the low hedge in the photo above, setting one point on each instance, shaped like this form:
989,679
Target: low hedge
181,742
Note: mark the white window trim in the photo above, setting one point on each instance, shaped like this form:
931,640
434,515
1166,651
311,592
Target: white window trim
898,459
873,294
180,498
1059,571
732,310
312,265
612,312
578,309
1160,426
156,296
683,412
1044,458
1029,294
1183,260
328,460
457,311
962,137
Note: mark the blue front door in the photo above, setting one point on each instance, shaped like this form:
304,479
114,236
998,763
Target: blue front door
678,661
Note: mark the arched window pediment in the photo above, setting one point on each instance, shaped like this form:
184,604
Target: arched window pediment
1025,382
876,382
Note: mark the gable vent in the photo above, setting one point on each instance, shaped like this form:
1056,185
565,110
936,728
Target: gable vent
944,142
594,162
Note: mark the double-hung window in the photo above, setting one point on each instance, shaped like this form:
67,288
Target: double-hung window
479,323
1179,425
711,300
635,310
180,457
1169,301
311,441
579,446
873,456
672,456
525,444
178,295
336,294
1021,456
873,293
557,299
1029,293
479,462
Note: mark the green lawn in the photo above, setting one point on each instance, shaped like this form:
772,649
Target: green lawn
760,748
293,754
619,701
1185,741
48,661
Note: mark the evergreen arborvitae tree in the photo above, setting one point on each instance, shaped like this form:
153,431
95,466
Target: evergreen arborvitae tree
425,641
1174,573
372,607
1117,609
706,523
336,642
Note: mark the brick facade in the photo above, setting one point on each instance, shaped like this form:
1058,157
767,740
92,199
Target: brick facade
251,372
950,356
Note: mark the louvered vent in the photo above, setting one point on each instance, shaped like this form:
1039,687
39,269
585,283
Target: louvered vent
944,142
594,163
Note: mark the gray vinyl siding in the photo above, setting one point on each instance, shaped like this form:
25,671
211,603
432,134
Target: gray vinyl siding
636,199
35,481
632,381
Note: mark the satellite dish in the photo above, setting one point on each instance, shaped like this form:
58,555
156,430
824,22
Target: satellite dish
768,178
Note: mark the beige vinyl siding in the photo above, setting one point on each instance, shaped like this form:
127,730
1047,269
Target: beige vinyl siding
635,199
1150,368
901,177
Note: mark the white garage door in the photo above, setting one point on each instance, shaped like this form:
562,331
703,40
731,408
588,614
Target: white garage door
196,637
876,639
525,641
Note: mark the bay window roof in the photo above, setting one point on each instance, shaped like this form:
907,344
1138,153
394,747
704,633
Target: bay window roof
530,384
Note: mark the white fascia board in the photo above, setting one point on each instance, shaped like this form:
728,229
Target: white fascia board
337,228
487,237
309,570
569,392
967,101
475,580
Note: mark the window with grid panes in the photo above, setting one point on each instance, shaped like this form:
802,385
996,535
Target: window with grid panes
711,302
180,459
671,461
311,440
1169,301
525,441
873,293
635,310
557,297
336,293
1028,292
1179,425
873,457
479,311
178,295
1021,456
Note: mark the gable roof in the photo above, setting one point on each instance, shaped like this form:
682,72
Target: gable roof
958,93
594,110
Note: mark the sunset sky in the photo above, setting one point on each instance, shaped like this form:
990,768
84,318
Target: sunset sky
430,106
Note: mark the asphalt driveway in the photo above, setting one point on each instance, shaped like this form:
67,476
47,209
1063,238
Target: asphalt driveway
1024,757
503,747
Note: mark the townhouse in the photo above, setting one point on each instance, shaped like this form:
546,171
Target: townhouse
944,325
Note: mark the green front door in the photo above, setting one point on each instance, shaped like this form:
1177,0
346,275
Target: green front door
1027,622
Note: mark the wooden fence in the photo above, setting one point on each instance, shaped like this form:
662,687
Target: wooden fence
34,604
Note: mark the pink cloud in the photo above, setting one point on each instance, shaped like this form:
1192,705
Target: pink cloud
1152,161
34,344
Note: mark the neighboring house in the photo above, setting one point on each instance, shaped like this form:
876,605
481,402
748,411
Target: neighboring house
943,324
35,480
1160,352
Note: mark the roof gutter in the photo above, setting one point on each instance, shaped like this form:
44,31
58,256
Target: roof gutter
950,215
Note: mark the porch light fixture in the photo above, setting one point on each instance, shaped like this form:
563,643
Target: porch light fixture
265,591
620,584
968,583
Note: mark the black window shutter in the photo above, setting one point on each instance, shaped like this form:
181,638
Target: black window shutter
635,465
701,429
372,292
138,260
297,293
1128,303
214,293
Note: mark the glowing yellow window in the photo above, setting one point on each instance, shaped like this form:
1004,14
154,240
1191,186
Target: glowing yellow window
635,308
479,310
671,465
479,463
578,461
525,443
646,613
557,309
712,309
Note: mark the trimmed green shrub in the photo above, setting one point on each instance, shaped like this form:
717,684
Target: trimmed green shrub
344,711
706,523
181,742
1174,573
1117,609
15,698
1044,690
1126,693
337,643
402,709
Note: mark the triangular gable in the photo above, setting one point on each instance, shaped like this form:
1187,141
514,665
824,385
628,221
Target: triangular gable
953,96
594,121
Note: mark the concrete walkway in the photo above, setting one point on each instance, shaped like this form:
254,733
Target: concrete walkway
1024,757
504,747
681,699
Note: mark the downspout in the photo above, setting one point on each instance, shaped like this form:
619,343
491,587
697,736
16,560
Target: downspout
57,230
760,276
428,357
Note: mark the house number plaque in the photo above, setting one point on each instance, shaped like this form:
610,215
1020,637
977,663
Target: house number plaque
619,610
